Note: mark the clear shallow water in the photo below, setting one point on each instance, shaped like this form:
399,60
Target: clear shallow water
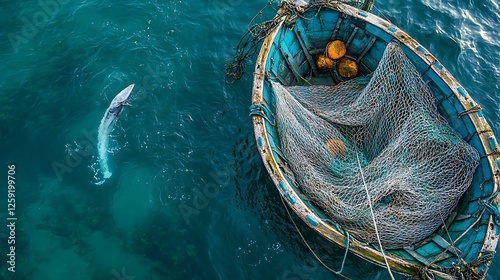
189,197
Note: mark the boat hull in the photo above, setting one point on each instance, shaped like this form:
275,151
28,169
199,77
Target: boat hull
464,247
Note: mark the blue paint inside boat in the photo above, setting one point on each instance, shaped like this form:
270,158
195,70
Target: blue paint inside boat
462,92
290,199
492,142
312,221
421,49
282,186
438,65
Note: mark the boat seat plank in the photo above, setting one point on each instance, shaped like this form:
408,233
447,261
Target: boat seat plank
290,61
368,46
336,29
304,42
418,257
444,244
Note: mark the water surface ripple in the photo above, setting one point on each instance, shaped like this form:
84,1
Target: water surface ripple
189,197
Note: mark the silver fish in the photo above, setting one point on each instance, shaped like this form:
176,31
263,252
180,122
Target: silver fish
106,127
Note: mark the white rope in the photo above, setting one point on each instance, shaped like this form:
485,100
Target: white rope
451,246
382,13
373,215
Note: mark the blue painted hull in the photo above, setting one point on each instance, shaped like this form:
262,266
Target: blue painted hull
462,248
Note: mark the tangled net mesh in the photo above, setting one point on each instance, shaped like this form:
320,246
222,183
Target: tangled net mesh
386,127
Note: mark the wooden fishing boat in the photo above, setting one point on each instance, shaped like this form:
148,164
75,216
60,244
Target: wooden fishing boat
464,245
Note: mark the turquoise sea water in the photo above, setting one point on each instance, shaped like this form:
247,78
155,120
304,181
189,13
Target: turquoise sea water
189,197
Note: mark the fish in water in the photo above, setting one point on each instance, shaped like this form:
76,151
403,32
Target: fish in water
106,126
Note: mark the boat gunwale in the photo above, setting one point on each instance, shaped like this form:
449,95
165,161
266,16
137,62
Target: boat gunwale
309,215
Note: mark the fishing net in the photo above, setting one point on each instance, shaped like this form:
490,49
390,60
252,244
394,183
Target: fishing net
376,137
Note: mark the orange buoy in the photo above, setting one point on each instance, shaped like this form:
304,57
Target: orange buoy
324,63
347,68
335,146
335,49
